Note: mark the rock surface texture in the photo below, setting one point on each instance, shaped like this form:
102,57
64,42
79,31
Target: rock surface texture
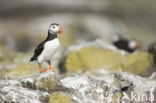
118,87
94,55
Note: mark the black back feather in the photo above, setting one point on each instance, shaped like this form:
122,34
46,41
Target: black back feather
123,45
38,51
40,47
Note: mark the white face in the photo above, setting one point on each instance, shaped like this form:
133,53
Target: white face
54,29
133,45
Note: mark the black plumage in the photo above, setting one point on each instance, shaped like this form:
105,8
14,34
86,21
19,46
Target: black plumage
123,44
48,48
40,47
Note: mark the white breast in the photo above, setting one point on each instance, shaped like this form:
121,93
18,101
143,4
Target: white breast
50,48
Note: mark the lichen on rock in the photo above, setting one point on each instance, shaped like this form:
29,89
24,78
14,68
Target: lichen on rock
139,63
12,92
47,81
23,70
95,57
60,97
90,89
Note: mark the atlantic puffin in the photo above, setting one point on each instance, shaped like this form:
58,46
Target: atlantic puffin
125,44
46,49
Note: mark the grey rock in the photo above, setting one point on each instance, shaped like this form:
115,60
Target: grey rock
12,92
119,87
136,89
47,81
90,89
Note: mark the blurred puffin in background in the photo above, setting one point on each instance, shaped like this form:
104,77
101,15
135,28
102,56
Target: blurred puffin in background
47,49
124,44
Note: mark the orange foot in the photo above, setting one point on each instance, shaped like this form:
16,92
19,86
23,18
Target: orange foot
41,71
51,68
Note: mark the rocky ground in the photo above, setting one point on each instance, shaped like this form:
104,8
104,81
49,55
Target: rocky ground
118,87
89,68
81,79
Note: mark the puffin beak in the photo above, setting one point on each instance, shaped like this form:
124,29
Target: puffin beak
61,31
136,46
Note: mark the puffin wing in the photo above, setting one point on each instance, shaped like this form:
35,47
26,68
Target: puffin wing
38,51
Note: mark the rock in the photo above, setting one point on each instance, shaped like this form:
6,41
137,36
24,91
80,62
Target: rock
95,56
18,94
139,63
7,81
23,70
135,88
152,50
10,59
91,89
153,76
12,92
47,81
119,87
60,97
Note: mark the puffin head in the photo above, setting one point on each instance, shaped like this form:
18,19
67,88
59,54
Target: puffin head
133,45
55,28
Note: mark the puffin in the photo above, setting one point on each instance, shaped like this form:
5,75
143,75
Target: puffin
47,48
125,44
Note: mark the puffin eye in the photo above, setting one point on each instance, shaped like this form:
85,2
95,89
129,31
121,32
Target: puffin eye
53,26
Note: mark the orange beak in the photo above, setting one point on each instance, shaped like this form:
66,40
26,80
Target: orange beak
61,31
137,46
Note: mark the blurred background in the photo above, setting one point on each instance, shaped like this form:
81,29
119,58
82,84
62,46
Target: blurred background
24,24
101,38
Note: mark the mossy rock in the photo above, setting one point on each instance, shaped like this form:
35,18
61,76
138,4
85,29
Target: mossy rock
23,70
60,97
93,57
139,63
47,83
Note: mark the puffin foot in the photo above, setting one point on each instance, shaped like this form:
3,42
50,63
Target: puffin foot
42,71
50,67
